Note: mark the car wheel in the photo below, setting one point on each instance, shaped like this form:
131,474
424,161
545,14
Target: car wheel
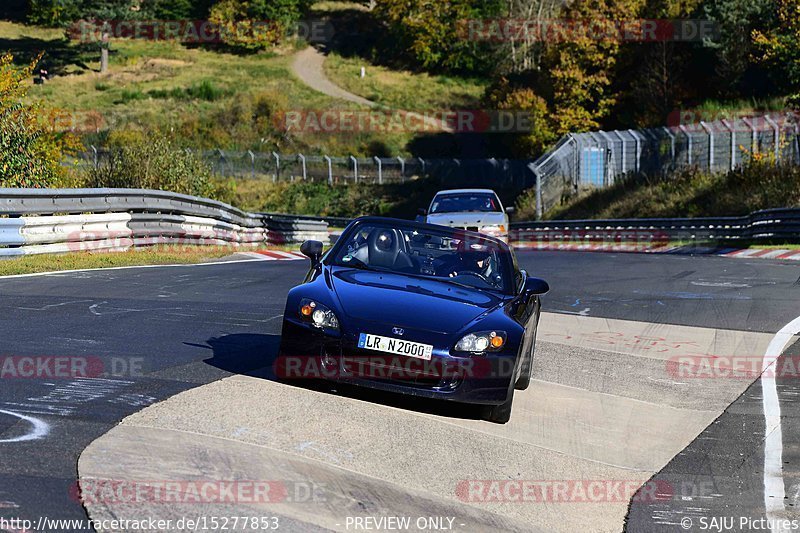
499,414
525,373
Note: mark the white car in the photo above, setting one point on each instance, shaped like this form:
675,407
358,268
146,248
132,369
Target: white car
472,209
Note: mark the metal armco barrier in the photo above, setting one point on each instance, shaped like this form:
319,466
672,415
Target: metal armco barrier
62,220
768,225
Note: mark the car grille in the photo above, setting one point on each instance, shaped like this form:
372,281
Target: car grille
397,369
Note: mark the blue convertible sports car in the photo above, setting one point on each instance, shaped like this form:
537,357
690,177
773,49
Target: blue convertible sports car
417,309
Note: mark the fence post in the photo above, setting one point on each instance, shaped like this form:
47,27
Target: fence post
538,192
330,170
302,159
638,147
380,169
624,154
688,144
733,142
710,133
753,137
671,143
95,160
402,166
355,168
252,163
422,167
777,139
277,175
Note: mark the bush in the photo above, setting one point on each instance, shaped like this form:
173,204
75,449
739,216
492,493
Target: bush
256,24
151,161
31,151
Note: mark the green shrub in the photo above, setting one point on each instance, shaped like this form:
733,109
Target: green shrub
31,150
151,161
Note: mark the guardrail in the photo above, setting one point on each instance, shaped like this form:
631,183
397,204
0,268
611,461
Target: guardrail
35,221
768,225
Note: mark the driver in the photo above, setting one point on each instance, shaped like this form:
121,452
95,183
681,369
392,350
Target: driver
476,259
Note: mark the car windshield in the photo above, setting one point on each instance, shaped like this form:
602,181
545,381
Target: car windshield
461,202
455,256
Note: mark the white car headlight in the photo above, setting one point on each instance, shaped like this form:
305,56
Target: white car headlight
494,228
319,315
484,341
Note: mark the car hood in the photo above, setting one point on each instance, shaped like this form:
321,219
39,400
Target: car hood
409,302
468,219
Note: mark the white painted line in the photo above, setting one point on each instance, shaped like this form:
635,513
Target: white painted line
774,492
59,272
39,429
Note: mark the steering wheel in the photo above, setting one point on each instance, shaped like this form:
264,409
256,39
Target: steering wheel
477,275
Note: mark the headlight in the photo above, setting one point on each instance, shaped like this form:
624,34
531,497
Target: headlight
318,315
493,229
485,341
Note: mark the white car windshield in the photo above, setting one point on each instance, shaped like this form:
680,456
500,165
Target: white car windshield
465,202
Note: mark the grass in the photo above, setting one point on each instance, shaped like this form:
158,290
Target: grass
203,95
687,193
154,255
402,89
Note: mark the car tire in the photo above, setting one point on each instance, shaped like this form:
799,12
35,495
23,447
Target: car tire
525,373
499,414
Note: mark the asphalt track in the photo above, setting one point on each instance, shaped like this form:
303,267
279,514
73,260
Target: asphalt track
156,332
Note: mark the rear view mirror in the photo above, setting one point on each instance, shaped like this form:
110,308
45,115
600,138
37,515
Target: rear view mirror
536,286
312,250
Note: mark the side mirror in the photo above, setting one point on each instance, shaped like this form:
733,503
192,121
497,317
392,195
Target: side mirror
510,210
312,250
536,286
421,214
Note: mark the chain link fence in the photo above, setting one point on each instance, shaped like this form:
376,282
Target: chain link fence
339,170
598,159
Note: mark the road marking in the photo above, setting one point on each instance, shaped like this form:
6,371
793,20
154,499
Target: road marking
774,491
59,272
39,428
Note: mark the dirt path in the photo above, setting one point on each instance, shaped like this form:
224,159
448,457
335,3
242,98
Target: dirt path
308,66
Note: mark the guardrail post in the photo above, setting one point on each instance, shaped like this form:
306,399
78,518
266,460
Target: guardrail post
688,144
330,169
355,168
710,133
402,166
252,163
422,167
777,139
380,169
95,160
277,175
302,159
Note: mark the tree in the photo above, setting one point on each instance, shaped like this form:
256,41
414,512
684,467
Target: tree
580,67
31,151
256,24
779,46
435,33
733,45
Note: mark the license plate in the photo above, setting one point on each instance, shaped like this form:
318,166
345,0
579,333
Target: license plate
395,346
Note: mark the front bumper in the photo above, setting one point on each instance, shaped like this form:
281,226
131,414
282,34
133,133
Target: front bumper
309,353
